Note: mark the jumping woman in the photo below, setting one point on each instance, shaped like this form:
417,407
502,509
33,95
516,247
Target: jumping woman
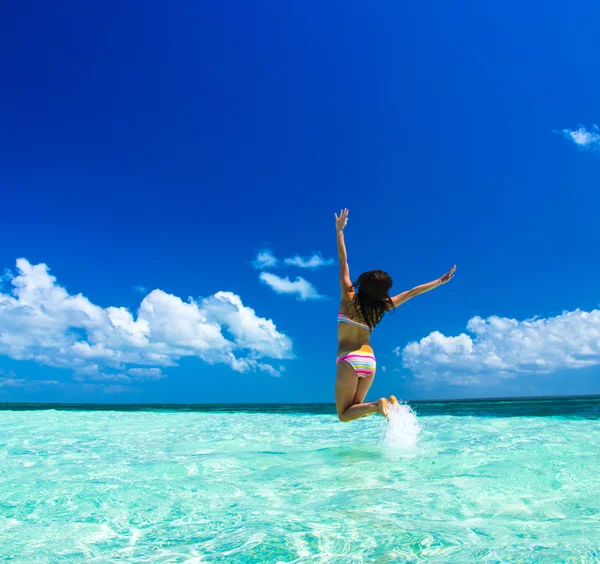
363,305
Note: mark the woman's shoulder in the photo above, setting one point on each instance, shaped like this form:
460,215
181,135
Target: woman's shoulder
348,295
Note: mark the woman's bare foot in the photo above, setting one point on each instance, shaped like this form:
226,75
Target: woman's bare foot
382,407
393,400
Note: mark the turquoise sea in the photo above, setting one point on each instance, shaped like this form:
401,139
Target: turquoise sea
476,481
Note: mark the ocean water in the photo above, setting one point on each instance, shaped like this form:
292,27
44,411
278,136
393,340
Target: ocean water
489,481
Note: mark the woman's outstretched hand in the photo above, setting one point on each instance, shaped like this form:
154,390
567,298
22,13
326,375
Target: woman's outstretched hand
340,222
448,276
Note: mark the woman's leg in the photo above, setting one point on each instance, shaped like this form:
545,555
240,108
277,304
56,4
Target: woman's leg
362,388
347,385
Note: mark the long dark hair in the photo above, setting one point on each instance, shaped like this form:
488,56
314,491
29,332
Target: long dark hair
372,298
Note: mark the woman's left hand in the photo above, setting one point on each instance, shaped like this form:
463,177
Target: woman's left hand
448,276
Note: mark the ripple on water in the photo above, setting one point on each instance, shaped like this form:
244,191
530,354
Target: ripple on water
290,487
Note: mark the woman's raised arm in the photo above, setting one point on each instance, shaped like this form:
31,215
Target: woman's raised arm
405,296
340,223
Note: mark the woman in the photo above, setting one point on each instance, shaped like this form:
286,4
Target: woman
363,305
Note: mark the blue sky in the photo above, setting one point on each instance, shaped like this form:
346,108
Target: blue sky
149,155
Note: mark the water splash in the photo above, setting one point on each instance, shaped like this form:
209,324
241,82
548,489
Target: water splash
402,428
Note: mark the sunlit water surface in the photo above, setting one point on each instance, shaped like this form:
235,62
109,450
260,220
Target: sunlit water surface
487,482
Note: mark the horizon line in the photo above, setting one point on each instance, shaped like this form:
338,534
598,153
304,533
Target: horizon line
8,404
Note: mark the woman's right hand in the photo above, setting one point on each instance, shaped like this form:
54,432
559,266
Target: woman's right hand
340,222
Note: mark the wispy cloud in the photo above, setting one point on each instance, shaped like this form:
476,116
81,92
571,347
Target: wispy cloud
146,373
140,289
303,289
8,379
7,276
41,321
264,259
314,261
503,348
299,287
583,137
89,388
272,371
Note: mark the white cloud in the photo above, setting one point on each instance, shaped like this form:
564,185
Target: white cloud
503,348
41,321
264,259
314,261
301,287
582,137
